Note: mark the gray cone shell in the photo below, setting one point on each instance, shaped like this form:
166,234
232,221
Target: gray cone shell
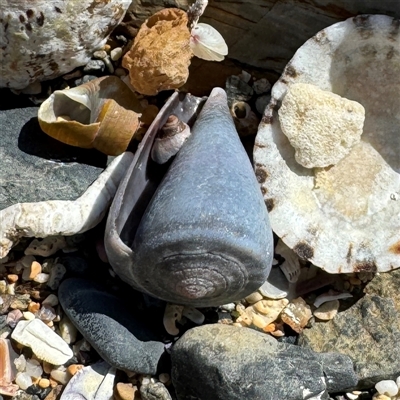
205,238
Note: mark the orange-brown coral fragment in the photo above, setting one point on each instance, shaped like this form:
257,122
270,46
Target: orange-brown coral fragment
160,56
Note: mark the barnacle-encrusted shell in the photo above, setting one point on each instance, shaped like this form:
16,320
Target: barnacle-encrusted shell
160,56
43,39
343,218
100,114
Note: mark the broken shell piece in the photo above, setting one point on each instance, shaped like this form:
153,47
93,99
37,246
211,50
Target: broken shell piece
327,311
100,114
291,266
193,314
321,126
160,56
94,382
344,218
45,247
296,314
329,296
61,217
207,43
171,138
7,368
45,344
172,314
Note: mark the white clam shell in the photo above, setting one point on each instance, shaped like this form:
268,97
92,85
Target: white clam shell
207,43
45,343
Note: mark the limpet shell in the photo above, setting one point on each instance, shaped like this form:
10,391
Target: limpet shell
344,218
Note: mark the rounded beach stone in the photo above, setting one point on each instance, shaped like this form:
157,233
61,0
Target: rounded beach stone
225,362
118,335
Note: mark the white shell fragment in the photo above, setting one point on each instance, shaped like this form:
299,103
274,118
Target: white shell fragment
45,343
172,313
94,382
193,314
321,126
60,217
329,296
344,218
291,266
207,43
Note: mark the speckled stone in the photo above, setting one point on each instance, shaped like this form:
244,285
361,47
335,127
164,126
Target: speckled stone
368,332
222,362
36,167
109,325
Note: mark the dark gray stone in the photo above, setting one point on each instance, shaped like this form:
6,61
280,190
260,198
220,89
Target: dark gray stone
94,67
35,167
368,332
108,324
231,363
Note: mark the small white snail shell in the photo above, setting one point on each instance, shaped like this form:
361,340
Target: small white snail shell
171,138
207,43
246,121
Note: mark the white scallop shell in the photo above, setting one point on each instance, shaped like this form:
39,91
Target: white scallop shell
207,43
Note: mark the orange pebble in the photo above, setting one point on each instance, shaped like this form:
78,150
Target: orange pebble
74,368
44,383
53,383
33,307
12,278
270,328
36,269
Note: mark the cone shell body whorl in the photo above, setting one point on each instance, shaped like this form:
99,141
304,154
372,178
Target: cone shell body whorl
205,237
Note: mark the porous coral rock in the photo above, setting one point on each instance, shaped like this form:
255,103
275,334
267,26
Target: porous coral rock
320,125
42,39
160,56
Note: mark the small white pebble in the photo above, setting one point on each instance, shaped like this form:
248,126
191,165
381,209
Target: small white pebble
116,53
23,380
60,376
387,387
41,278
398,382
11,288
228,307
28,315
20,363
67,330
33,368
352,396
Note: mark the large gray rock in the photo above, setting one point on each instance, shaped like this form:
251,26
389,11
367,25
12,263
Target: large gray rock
266,33
222,362
34,167
368,332
120,337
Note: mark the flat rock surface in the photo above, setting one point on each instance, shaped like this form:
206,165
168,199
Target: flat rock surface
121,339
368,332
225,362
35,167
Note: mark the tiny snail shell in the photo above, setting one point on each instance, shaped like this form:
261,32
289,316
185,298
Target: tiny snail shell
207,43
171,138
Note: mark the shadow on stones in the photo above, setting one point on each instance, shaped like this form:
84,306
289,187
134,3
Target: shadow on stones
10,101
32,140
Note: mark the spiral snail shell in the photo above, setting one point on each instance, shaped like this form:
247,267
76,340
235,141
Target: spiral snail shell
204,238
